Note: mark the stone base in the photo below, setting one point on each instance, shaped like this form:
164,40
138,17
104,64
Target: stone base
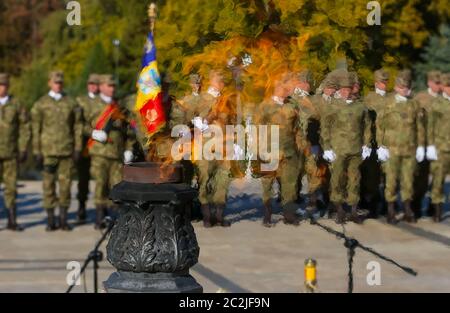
127,282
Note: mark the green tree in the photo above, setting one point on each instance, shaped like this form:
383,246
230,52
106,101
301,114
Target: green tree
436,56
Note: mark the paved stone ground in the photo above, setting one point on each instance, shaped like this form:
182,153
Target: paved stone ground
245,258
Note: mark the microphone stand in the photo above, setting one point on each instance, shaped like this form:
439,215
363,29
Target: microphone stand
351,244
95,256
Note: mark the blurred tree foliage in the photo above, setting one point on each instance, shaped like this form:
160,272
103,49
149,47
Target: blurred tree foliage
195,35
436,56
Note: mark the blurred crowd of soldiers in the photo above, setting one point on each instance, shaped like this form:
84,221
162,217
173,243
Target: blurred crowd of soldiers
92,133
352,153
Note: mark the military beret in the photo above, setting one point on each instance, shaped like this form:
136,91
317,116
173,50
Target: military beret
445,79
345,80
434,76
305,76
56,77
4,79
107,79
331,81
381,75
403,78
195,79
94,79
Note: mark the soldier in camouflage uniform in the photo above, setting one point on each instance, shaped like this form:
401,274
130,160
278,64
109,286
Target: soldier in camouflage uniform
425,99
14,139
438,150
57,142
182,115
84,164
213,176
277,111
345,131
111,143
307,134
400,137
375,102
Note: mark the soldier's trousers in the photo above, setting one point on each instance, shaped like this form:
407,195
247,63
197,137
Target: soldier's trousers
83,168
57,170
399,168
214,178
308,166
8,173
107,173
287,174
439,170
345,179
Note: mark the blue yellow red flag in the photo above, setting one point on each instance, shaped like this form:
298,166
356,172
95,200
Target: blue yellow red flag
149,100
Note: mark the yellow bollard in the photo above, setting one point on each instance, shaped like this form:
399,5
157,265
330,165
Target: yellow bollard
310,275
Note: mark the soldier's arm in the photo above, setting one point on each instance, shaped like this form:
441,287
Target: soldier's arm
367,128
78,126
325,130
433,118
177,115
420,125
24,129
36,126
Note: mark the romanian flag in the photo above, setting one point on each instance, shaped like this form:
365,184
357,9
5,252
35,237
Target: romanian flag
149,100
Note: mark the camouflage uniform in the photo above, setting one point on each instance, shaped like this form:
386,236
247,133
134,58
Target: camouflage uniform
214,176
425,100
371,174
345,130
284,115
439,136
14,139
107,158
182,114
306,137
401,132
84,163
57,135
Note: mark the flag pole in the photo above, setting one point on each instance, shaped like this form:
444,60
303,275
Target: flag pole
152,14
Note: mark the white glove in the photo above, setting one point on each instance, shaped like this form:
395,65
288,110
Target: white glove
432,153
238,153
100,136
420,154
200,124
329,156
383,154
128,157
366,152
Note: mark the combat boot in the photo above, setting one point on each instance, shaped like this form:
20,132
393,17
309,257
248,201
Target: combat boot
51,223
290,217
81,216
391,219
219,216
340,213
267,221
100,217
437,216
206,212
354,217
409,214
63,225
12,220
